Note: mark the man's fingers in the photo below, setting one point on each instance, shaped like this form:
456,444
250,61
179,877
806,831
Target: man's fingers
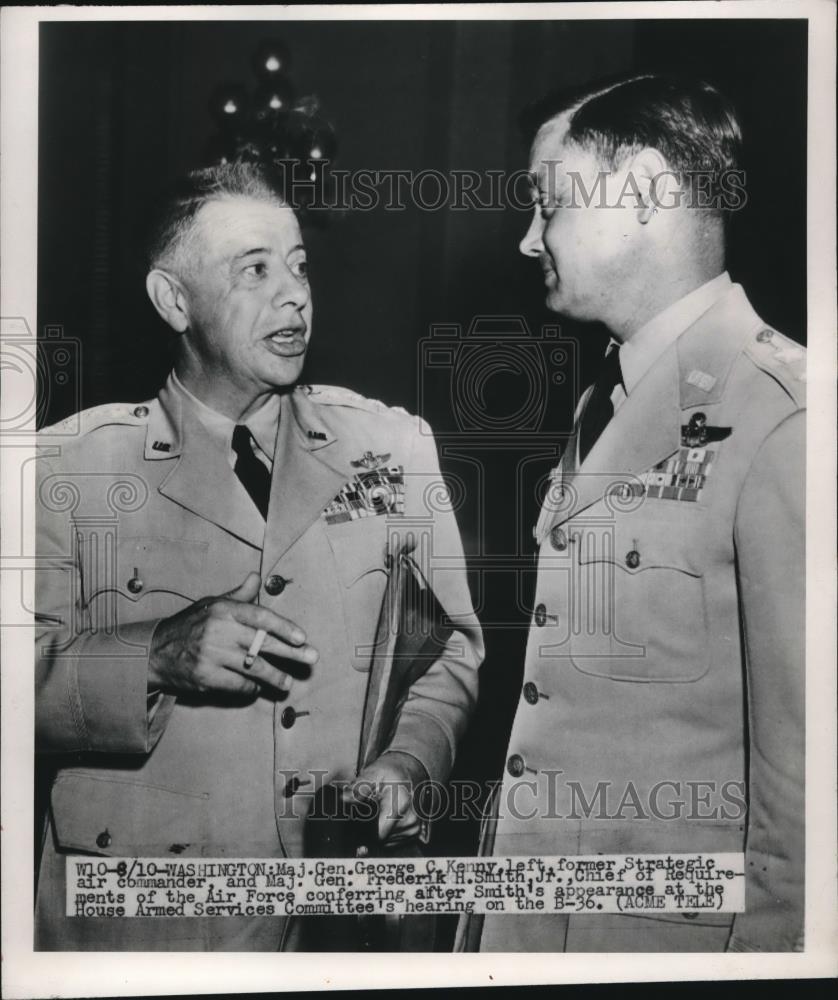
228,681
397,814
241,640
247,590
393,827
397,818
266,673
272,647
255,616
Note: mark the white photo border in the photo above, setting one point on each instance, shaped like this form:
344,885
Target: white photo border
29,974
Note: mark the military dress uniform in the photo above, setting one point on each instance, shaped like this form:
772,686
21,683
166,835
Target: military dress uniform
666,644
139,516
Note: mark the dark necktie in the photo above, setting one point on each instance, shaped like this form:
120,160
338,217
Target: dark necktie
251,472
599,409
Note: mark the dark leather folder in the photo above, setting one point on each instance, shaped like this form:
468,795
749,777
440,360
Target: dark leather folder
411,636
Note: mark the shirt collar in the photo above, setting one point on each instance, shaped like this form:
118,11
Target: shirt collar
262,424
650,341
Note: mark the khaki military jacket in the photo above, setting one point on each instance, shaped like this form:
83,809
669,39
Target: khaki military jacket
662,704
139,515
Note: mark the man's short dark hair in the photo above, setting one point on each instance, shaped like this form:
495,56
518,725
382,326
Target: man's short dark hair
178,208
690,122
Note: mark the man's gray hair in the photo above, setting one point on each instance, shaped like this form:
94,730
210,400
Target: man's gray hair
175,218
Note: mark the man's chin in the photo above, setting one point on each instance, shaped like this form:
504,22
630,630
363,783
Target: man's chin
285,372
566,307
554,300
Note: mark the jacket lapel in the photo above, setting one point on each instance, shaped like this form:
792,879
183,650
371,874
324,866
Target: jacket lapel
309,470
202,479
646,429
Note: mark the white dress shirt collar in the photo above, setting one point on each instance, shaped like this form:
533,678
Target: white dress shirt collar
262,424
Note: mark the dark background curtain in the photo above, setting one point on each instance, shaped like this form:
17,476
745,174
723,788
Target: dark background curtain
124,108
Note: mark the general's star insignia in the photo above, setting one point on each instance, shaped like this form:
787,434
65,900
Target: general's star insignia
370,461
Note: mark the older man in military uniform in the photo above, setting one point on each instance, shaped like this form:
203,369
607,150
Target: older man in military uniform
213,564
662,704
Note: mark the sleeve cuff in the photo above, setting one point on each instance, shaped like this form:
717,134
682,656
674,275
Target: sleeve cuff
113,707
422,737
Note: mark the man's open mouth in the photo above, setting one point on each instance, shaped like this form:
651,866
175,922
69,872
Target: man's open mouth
288,341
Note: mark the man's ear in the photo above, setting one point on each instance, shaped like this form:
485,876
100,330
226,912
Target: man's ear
658,186
168,298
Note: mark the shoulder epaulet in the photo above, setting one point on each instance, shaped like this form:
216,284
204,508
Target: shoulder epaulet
336,395
782,358
85,421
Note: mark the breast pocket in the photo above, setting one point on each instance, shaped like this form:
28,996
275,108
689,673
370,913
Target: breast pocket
145,577
362,566
638,608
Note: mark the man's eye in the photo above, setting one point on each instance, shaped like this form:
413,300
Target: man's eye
544,203
257,270
300,268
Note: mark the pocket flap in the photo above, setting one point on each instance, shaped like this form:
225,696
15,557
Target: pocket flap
121,817
663,548
147,565
359,547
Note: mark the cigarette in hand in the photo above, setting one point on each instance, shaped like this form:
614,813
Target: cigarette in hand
255,646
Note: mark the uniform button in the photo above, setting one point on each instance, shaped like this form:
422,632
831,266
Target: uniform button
140,411
531,693
558,539
291,787
764,336
104,839
633,559
275,584
540,615
289,717
515,765
135,584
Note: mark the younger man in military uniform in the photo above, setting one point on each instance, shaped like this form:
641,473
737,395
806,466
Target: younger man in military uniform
664,671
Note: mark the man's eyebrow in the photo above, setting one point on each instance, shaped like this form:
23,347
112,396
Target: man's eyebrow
248,253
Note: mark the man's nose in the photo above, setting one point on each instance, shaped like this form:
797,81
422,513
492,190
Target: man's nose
291,291
531,245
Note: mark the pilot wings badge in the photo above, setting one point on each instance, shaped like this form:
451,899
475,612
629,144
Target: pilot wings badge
370,461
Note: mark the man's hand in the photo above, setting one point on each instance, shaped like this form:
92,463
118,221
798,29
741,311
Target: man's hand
391,781
203,647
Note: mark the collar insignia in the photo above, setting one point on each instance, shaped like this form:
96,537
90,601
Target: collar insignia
702,380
